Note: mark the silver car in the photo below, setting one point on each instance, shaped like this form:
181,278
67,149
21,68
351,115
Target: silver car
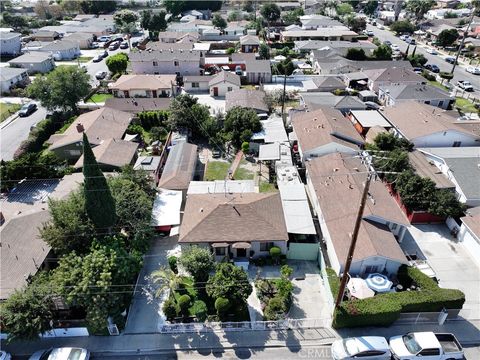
364,347
63,353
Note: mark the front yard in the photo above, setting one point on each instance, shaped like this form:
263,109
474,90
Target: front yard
465,106
8,109
99,98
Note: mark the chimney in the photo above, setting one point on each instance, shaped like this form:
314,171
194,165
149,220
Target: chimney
80,128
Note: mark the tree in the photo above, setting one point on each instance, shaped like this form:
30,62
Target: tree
248,6
402,27
62,88
117,64
264,51
198,262
447,37
233,16
219,22
356,54
145,19
186,113
270,12
245,147
293,17
99,202
125,20
98,7
240,124
446,204
165,279
158,22
386,141
370,7
356,24
417,60
222,306
383,52
184,304
275,308
416,192
419,8
176,7
344,9
170,308
229,282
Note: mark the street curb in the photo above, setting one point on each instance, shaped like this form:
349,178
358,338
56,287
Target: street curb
6,123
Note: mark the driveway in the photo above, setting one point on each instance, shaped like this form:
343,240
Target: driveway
453,265
216,105
145,314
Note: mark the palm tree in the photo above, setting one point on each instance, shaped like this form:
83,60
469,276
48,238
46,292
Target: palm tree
165,279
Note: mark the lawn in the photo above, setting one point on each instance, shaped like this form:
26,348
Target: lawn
465,105
266,187
85,59
99,98
438,85
8,109
242,173
216,170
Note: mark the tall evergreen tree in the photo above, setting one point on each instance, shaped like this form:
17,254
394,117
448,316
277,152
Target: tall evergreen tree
99,202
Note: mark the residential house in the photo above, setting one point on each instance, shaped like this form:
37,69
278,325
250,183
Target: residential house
340,47
449,4
223,82
62,50
323,84
441,13
11,78
314,100
336,64
461,167
240,59
329,33
258,71
289,5
99,125
427,126
170,46
150,164
364,120
180,62
472,44
392,76
11,43
427,169
179,169
199,14
234,225
175,36
194,84
34,62
368,95
324,131
424,93
137,105
313,22
84,40
235,28
252,99
84,17
249,43
335,184
45,35
144,86
469,233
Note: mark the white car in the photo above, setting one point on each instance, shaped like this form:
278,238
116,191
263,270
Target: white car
431,51
365,347
100,75
404,37
380,26
473,70
5,356
64,353
395,47
465,85
426,345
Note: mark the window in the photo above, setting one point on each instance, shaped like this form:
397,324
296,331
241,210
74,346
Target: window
229,88
195,85
175,63
370,353
429,352
394,226
74,152
266,246
369,269
220,251
457,143
155,63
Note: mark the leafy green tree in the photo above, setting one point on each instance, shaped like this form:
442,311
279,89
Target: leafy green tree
240,124
198,262
270,12
174,7
98,7
186,113
17,22
184,303
383,52
124,18
233,16
402,27
245,147
275,309
165,280
395,161
344,9
416,192
418,8
145,18
62,88
222,305
284,67
446,204
158,22
170,308
248,6
447,37
356,24
99,202
417,60
219,22
356,54
293,17
229,282
388,142
264,51
117,64
370,7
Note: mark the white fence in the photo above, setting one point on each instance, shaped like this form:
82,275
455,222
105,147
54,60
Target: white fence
427,317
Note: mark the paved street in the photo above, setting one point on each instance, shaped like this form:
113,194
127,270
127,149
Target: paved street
12,135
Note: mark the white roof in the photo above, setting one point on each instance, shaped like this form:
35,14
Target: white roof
217,60
166,208
201,46
221,186
296,210
370,118
269,152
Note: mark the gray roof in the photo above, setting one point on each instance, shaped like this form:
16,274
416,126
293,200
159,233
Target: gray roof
136,105
319,44
170,46
225,76
328,81
179,168
249,40
147,163
315,101
60,45
9,35
78,36
253,99
258,66
197,78
415,92
165,55
346,66
31,57
8,73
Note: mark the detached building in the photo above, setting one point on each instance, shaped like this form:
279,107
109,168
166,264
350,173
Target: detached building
34,62
224,82
11,43
62,50
11,78
178,62
179,168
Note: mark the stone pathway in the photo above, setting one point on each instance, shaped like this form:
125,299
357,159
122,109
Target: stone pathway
235,164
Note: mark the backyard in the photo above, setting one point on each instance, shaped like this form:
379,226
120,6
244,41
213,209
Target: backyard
99,98
218,170
8,109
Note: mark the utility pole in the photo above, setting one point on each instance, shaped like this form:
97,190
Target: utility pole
353,243
284,93
465,34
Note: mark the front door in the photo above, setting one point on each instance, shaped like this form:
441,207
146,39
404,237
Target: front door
215,91
241,252
154,93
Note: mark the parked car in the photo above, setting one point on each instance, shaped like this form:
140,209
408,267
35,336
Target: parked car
114,46
104,54
5,356
124,45
27,109
431,51
388,42
100,75
104,38
370,33
450,59
465,85
417,70
238,70
380,26
135,44
433,68
365,347
404,37
411,41
395,47
426,345
95,45
64,353
98,58
473,70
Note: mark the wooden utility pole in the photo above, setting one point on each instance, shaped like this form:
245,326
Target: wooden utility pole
353,243
465,34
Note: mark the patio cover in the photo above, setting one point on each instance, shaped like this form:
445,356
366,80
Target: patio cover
269,152
241,245
296,210
166,208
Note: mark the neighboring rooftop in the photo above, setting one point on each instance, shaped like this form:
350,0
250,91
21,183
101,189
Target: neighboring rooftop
136,105
249,40
370,118
419,92
179,168
141,82
31,57
315,100
225,76
8,73
254,99
4,35
394,74
112,153
58,45
426,169
258,66
165,55
221,187
472,220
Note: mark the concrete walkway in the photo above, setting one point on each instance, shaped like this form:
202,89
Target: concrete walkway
235,164
254,306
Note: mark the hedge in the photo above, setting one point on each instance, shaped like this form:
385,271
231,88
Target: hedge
384,309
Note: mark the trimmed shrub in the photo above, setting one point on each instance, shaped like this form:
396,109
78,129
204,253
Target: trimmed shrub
199,308
222,306
446,75
184,304
428,76
172,263
275,309
170,309
245,147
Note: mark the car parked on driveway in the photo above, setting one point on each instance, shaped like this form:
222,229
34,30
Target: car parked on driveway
473,70
27,109
124,45
364,347
465,85
100,75
433,68
64,353
114,46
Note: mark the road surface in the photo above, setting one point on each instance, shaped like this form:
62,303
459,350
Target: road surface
14,133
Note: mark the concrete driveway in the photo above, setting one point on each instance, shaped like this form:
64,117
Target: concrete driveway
452,263
216,105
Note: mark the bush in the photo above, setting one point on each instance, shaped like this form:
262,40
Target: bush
199,308
172,262
222,306
275,253
245,147
286,271
428,76
446,75
170,309
184,304
334,281
275,309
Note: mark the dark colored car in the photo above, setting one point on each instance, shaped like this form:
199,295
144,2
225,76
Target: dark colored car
27,109
98,58
104,54
388,42
124,45
450,59
433,68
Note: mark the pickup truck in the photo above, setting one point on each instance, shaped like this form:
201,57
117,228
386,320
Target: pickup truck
465,85
427,345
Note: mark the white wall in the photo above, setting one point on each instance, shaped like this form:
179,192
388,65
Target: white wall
140,93
5,85
471,242
203,86
42,67
11,46
445,139
166,67
223,88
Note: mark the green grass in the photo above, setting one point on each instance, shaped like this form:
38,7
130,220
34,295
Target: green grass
8,109
242,173
266,187
67,66
66,125
99,98
216,170
438,85
85,59
465,105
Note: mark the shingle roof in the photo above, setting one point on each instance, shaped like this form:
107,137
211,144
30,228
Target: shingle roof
394,75
60,45
249,40
4,35
315,100
472,220
166,55
8,73
225,76
31,57
253,99
197,78
238,217
318,44
428,170
415,92
113,152
258,66
180,167
242,57
170,46
136,105
144,82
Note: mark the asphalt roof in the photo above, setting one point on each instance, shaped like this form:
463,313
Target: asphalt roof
415,92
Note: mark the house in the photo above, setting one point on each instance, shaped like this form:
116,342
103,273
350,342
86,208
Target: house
179,168
252,99
84,17
427,169
339,65
34,62
314,100
137,105
427,126
424,93
174,36
199,14
472,44
144,86
335,183
441,13
11,43
150,164
240,59
11,78
84,40
258,71
392,76
313,22
460,166
62,49
249,43
45,35
235,28
469,233
368,95
364,120
193,84
328,33
180,62
112,154
223,82
170,46
236,225
289,5
340,47
323,84
99,125
324,131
